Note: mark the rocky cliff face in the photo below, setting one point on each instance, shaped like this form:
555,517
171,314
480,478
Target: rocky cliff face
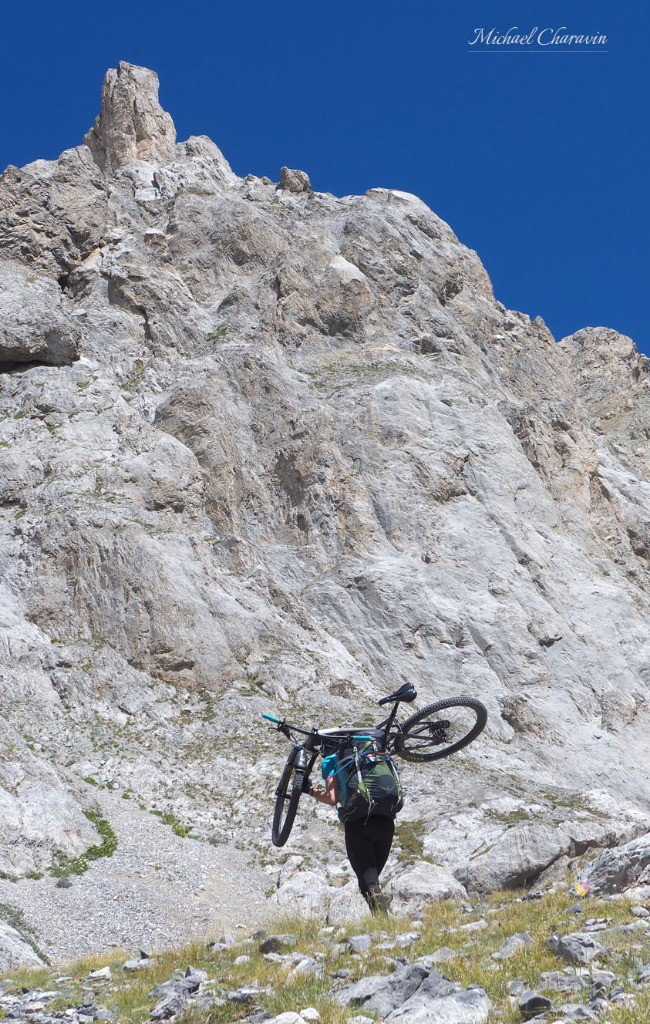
267,448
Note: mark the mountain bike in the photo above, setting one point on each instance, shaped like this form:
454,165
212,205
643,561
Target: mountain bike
437,731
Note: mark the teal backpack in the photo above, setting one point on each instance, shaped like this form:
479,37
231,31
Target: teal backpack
368,780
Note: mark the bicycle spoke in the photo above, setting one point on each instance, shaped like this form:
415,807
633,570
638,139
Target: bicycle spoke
441,729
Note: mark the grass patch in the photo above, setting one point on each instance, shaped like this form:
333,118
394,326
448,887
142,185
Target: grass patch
511,817
177,827
30,978
128,995
106,848
637,1014
218,334
409,835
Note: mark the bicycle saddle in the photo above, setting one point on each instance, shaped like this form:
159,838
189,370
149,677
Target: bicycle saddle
406,693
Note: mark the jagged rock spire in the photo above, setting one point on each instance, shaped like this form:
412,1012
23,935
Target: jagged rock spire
132,125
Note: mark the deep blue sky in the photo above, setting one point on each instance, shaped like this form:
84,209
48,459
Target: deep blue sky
539,161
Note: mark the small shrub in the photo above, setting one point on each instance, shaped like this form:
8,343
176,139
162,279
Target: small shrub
218,334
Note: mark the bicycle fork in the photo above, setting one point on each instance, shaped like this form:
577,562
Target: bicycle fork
302,761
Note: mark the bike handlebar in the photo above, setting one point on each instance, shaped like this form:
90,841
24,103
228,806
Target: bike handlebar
272,718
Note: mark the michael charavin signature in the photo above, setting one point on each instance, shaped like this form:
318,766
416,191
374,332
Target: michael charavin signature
537,38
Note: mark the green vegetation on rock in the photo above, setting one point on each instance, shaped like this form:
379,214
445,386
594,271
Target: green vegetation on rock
106,848
177,827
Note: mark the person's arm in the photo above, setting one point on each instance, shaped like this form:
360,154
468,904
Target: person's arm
329,795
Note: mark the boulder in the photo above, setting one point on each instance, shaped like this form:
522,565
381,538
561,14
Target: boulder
434,1004
560,982
512,945
516,858
620,868
532,1003
384,994
418,886
415,995
277,943
360,943
305,892
577,948
305,967
288,1017
101,974
293,180
440,956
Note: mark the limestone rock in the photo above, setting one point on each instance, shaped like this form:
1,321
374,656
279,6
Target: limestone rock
384,994
53,214
418,886
415,995
15,952
577,948
614,380
360,943
294,181
306,892
620,868
345,904
277,943
40,819
288,1017
512,945
462,1006
34,327
532,1003
132,125
518,857
440,956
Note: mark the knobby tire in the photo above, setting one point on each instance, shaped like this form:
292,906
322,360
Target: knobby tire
417,753
288,795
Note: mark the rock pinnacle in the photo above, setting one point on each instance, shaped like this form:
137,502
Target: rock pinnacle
132,125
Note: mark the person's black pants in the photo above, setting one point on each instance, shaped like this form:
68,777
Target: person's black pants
368,842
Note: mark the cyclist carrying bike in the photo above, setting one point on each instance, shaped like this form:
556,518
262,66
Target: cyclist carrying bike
368,840
361,777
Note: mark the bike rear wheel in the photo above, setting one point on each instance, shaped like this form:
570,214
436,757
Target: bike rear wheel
441,729
287,798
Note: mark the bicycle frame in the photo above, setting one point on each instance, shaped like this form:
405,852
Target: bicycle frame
387,724
307,750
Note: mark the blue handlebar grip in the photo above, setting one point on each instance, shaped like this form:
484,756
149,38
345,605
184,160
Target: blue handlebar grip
270,718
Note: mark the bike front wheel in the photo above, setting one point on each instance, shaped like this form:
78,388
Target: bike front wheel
441,729
287,798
